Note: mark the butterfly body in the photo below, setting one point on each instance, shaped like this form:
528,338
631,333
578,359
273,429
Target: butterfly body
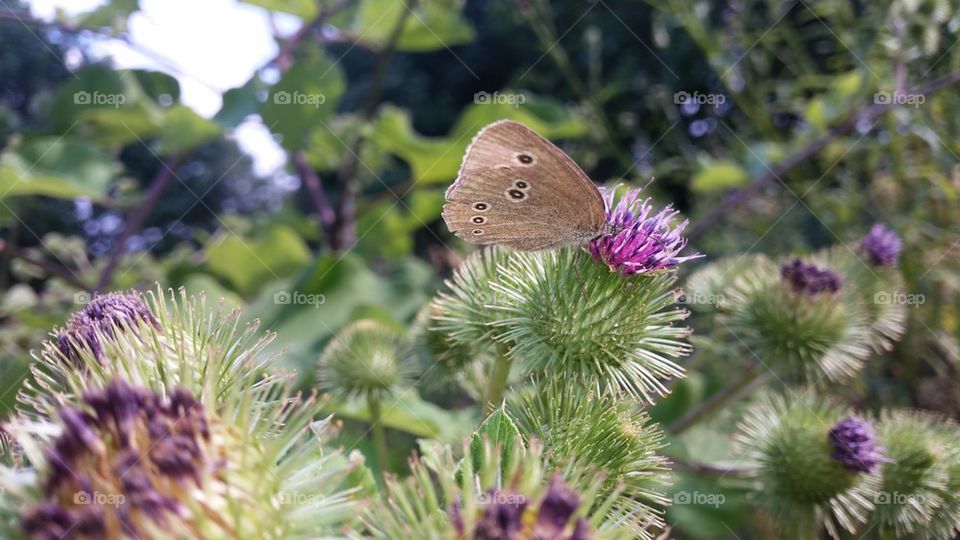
515,188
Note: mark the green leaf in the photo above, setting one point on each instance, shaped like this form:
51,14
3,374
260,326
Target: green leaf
499,429
432,25
388,226
56,167
305,9
184,129
331,292
105,106
157,84
718,176
408,412
202,283
238,104
330,142
247,264
304,98
114,14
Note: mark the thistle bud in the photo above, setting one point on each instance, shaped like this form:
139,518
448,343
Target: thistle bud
172,438
100,319
790,443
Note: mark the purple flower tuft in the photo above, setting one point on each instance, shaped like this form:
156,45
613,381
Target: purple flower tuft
557,508
807,278
638,242
103,316
507,516
854,445
881,245
502,518
134,445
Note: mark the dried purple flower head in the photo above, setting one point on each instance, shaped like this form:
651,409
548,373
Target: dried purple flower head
881,245
639,242
506,515
502,517
128,456
102,316
854,445
556,509
808,279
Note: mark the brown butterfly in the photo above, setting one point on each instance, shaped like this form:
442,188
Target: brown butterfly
517,189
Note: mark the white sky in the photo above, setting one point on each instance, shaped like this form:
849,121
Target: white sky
217,47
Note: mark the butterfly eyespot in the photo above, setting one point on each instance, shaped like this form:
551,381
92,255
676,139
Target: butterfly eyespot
525,158
480,206
477,232
520,184
479,220
516,194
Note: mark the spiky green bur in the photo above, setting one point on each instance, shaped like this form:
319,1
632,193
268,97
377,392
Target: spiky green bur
705,289
599,432
446,498
443,362
946,519
366,359
826,335
467,308
274,477
915,495
880,291
804,488
565,314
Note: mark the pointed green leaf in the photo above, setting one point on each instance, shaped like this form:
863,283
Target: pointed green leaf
499,429
184,129
430,25
62,167
304,98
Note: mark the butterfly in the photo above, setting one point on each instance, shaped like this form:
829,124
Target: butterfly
517,189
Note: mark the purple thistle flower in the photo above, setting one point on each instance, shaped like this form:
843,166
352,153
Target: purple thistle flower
104,315
808,279
881,245
639,241
854,445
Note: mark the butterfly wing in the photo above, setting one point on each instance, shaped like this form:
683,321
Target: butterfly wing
517,189
508,206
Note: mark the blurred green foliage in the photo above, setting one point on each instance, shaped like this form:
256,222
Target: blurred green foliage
82,149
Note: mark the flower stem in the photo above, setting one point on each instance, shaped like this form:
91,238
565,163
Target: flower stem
498,382
379,436
752,377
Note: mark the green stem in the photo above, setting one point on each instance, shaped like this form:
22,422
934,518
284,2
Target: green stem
379,436
752,377
498,382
